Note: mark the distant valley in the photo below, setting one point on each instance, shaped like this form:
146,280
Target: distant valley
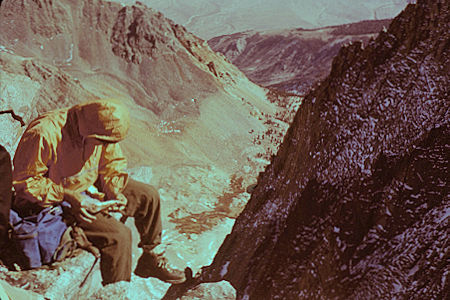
211,18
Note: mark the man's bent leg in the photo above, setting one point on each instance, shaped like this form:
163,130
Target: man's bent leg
113,239
144,205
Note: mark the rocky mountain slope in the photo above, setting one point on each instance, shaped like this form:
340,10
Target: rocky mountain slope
292,60
195,116
211,18
355,205
57,53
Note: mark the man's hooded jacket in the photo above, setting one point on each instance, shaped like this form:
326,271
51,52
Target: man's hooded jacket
53,153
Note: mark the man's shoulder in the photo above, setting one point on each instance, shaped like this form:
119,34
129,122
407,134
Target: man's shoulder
47,126
49,122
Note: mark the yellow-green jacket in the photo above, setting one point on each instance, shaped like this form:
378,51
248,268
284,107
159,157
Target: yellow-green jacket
53,154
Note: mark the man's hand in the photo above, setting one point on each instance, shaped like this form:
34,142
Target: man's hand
120,204
79,211
95,206
84,207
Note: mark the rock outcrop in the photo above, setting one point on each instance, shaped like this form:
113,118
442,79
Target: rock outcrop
292,60
7,291
61,281
355,204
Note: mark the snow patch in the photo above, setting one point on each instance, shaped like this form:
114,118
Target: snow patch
224,270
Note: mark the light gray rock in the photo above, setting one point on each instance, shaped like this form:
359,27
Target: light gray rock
8,291
62,281
211,291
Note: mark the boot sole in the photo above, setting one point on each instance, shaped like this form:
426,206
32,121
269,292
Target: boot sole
172,281
177,281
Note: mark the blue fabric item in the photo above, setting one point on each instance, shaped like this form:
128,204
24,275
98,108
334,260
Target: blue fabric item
38,236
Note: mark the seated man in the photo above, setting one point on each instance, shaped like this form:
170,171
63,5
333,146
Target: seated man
62,155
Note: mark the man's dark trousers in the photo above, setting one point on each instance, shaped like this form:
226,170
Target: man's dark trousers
113,238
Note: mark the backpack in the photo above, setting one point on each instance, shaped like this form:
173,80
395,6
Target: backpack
41,239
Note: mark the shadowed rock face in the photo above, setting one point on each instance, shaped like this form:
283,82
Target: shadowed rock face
292,60
355,203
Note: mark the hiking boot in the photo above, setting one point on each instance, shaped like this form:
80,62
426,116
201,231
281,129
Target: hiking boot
153,265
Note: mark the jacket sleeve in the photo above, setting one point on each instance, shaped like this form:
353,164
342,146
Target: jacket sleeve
31,162
112,175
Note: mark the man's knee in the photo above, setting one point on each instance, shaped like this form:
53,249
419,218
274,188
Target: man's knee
140,192
120,235
152,193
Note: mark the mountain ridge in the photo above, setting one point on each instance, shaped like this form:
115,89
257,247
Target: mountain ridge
292,60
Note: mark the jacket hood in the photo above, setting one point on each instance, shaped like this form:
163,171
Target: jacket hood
102,119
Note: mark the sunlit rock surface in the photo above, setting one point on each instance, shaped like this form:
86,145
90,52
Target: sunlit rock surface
211,291
62,281
7,290
355,205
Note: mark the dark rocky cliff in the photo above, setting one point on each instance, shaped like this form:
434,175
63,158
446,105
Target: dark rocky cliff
355,205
